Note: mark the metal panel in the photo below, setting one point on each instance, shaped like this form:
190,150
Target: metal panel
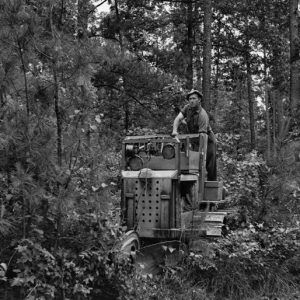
164,217
147,173
159,163
193,160
209,217
128,202
130,213
214,231
213,190
175,198
184,161
153,202
213,184
148,203
189,177
176,205
166,187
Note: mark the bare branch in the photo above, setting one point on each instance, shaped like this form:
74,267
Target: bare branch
92,10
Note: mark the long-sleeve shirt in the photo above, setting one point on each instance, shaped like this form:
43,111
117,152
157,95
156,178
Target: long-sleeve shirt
196,118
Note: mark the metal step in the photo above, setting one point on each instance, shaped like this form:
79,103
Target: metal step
214,231
227,211
211,230
213,202
210,217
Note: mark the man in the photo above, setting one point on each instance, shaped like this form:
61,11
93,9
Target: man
197,121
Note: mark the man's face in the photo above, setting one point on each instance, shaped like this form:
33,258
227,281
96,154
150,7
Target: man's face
194,100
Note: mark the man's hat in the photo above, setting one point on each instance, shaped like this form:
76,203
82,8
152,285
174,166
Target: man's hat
191,92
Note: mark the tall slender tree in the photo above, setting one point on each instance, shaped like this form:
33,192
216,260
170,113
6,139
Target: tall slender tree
294,58
250,97
206,85
190,44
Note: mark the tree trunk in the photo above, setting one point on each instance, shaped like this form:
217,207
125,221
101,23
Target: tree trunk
198,68
267,96
25,81
189,52
62,13
119,28
215,99
58,117
207,54
294,59
56,97
198,52
250,95
60,196
239,100
251,107
274,125
280,121
82,18
123,79
127,115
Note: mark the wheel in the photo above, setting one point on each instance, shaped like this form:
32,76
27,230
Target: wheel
130,244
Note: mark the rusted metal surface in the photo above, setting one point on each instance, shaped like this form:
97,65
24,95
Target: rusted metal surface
213,190
156,198
148,173
189,177
150,202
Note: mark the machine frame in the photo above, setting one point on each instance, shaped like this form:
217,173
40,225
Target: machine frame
164,191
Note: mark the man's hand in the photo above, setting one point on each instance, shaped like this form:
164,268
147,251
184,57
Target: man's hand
174,134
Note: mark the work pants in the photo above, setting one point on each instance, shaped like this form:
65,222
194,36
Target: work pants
211,157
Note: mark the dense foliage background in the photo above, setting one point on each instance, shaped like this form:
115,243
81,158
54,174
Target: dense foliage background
74,81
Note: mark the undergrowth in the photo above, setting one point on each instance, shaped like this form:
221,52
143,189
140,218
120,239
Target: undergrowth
59,238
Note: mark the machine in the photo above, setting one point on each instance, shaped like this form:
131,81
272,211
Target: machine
165,194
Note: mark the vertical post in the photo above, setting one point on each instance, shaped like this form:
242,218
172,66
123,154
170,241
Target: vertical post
123,160
202,165
176,202
165,212
187,147
130,211
177,154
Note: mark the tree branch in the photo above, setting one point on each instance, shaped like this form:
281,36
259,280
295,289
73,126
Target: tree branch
132,97
92,10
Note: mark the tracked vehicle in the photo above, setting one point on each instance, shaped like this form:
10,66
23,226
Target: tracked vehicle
165,194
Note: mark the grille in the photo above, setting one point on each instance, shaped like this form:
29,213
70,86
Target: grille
148,202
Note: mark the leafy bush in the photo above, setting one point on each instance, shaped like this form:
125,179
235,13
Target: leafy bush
64,274
248,264
244,182
57,231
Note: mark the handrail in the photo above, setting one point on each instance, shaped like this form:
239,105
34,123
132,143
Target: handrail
162,136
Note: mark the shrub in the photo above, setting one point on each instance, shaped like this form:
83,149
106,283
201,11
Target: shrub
249,263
